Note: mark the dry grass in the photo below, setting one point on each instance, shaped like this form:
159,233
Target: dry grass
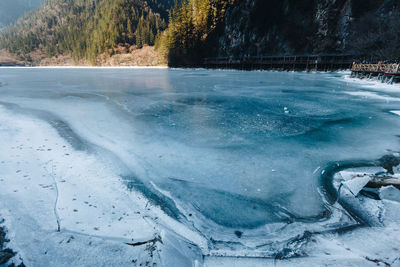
7,59
146,56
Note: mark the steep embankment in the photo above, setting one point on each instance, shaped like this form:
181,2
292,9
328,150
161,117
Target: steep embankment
259,27
85,31
274,27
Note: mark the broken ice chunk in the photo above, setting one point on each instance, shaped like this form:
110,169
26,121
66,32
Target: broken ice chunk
286,110
356,184
390,193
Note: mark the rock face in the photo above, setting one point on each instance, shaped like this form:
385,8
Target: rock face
388,162
270,27
5,254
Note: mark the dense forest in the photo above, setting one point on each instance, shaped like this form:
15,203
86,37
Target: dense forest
187,31
86,28
194,25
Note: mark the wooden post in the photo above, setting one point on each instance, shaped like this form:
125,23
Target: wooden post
294,62
308,58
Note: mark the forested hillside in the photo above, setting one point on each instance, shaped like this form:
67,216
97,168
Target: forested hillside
242,28
185,32
87,28
193,30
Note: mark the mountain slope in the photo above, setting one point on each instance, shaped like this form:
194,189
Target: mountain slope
86,28
275,27
306,26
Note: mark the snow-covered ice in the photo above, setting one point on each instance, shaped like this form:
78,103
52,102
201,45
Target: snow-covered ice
374,96
397,112
192,167
390,193
355,185
60,203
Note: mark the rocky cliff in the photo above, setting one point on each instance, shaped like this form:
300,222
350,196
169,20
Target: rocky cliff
270,27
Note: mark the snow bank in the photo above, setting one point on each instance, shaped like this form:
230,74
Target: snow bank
373,95
397,112
373,85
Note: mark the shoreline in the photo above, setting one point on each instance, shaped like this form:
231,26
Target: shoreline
372,84
84,67
348,71
146,56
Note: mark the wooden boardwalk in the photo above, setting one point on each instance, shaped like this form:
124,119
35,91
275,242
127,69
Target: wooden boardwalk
387,73
389,69
297,62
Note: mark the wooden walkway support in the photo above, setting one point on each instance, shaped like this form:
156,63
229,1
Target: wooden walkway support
386,73
377,68
297,62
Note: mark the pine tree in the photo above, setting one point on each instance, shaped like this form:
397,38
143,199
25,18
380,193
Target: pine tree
85,28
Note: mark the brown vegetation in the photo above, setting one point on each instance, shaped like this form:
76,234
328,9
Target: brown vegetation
7,59
146,56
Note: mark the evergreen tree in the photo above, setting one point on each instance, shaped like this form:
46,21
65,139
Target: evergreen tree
192,23
85,28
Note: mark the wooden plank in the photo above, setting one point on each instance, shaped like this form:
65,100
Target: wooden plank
377,68
378,182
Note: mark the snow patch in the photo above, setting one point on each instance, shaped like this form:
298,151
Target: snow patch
397,112
373,85
372,95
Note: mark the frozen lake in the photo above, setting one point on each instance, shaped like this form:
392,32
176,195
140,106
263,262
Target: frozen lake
236,156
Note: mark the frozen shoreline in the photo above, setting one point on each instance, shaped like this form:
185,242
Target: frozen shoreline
373,84
39,178
98,217
83,67
45,178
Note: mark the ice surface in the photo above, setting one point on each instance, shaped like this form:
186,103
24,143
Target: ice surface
356,184
397,112
373,96
390,193
63,207
219,152
372,84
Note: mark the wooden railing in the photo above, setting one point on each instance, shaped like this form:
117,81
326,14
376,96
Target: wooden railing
306,62
377,68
